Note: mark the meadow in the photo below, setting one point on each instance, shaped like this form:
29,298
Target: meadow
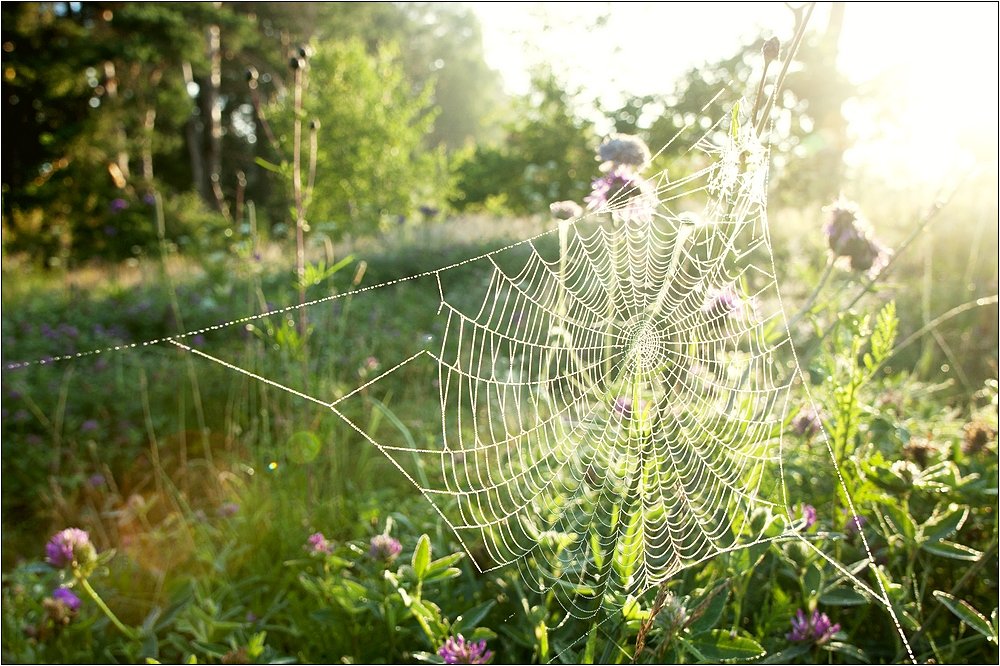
742,408
201,488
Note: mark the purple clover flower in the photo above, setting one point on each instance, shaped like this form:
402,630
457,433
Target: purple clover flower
318,544
721,304
70,547
229,509
66,597
457,650
854,525
815,629
809,515
807,422
623,407
383,547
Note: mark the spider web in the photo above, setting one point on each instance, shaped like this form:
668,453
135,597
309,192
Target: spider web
612,412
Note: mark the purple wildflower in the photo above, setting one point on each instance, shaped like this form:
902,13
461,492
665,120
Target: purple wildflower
318,544
850,238
384,547
623,193
70,548
149,198
816,629
67,598
623,407
807,422
808,513
90,425
118,205
96,480
854,525
721,304
457,650
229,509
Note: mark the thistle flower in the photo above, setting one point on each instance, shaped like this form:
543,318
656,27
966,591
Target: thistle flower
850,239
624,150
457,650
383,547
977,436
808,514
565,210
623,193
317,544
71,548
807,422
815,629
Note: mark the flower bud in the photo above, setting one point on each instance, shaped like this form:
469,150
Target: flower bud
771,49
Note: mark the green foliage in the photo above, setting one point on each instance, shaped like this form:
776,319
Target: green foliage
546,157
372,164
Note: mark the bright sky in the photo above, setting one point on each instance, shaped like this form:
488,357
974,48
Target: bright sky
942,56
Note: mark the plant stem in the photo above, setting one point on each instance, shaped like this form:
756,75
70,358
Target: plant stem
128,632
807,306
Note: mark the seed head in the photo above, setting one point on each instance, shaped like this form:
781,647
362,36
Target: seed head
977,436
565,210
624,150
771,49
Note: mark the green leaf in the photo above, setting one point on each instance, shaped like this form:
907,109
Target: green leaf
965,612
270,166
451,572
443,563
843,596
953,551
901,521
787,655
708,611
939,527
468,620
855,655
422,556
718,645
